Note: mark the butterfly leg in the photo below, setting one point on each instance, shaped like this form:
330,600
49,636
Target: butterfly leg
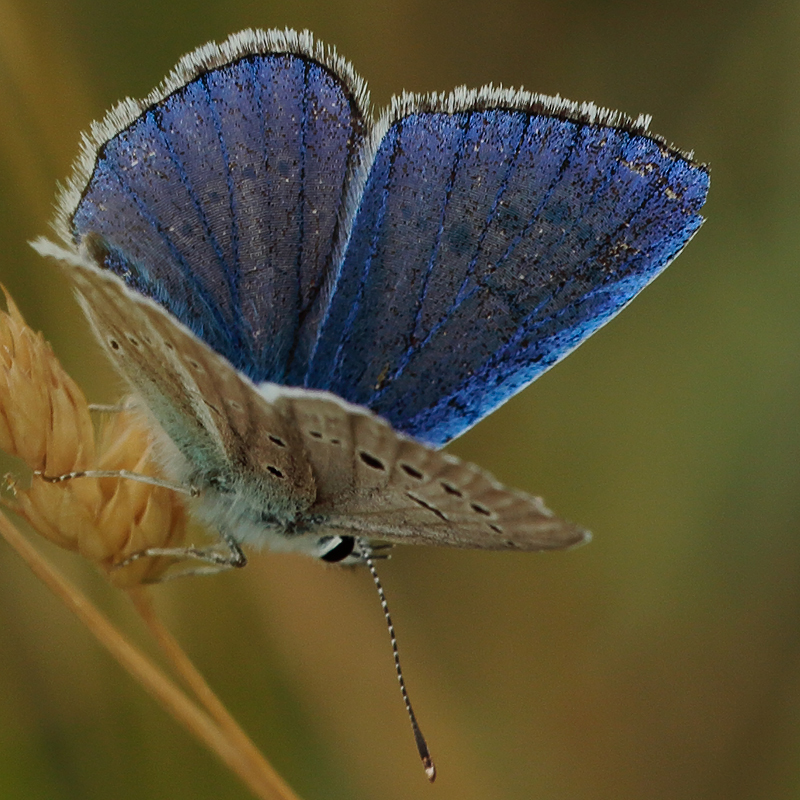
104,408
191,491
378,552
216,560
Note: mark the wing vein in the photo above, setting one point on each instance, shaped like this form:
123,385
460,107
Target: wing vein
345,334
461,297
230,276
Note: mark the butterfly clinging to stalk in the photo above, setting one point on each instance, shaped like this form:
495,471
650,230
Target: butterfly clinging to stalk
308,302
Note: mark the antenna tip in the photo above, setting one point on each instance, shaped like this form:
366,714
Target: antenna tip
430,768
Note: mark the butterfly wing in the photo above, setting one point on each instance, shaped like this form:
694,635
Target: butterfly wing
324,465
229,437
496,232
428,269
376,483
222,195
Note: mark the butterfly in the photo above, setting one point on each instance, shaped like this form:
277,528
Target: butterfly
309,302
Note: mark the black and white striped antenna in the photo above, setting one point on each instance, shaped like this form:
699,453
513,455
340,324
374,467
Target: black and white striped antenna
419,739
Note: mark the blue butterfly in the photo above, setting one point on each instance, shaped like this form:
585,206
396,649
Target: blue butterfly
308,303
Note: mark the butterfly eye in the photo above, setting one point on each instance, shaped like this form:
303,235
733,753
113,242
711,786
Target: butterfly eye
336,548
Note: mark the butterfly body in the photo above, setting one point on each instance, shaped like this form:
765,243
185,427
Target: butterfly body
308,303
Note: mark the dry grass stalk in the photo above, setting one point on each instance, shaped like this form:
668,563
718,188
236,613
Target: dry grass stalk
245,762
45,421
261,770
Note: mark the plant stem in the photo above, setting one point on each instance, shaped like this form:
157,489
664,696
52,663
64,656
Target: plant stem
263,783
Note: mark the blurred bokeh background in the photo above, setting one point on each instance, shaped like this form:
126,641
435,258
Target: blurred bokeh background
661,661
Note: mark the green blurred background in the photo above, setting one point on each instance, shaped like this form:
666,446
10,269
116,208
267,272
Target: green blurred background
661,661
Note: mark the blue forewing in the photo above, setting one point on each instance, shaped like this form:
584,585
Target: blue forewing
427,266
